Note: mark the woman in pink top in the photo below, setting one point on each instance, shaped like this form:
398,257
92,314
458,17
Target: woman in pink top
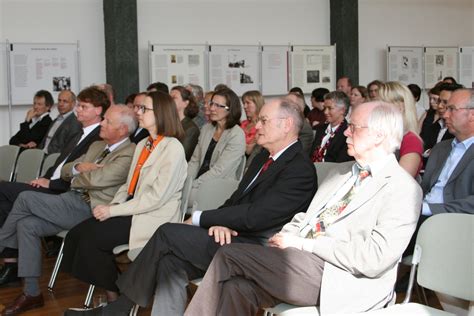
411,148
253,102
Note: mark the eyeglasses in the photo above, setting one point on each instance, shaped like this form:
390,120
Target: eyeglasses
142,108
452,108
264,120
222,106
83,107
353,127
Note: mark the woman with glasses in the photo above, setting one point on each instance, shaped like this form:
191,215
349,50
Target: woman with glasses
411,148
187,110
221,145
150,197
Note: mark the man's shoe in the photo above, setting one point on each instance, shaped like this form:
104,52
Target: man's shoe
9,273
23,303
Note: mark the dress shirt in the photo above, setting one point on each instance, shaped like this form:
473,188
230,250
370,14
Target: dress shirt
329,131
436,193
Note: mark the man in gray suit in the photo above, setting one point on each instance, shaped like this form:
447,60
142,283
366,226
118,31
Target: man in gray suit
447,182
96,176
65,127
343,252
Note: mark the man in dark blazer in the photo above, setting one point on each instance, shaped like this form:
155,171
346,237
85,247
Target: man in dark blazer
65,127
36,123
329,144
279,183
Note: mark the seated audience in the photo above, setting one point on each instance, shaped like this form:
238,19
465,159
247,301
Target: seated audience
206,109
129,100
306,132
449,80
298,90
65,127
279,183
373,89
198,95
221,145
37,122
358,96
411,148
96,177
416,92
342,253
330,141
253,102
158,86
109,91
344,84
316,115
140,133
187,110
150,197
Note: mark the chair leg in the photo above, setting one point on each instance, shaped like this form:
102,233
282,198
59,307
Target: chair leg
90,293
134,311
52,280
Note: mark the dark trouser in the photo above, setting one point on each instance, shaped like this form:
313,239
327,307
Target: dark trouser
175,254
243,278
88,249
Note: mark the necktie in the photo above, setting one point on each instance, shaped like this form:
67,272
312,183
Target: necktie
330,214
102,155
266,165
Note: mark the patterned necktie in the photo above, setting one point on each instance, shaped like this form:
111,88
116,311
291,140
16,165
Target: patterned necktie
102,155
330,214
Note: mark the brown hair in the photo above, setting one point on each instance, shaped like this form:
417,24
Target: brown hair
233,102
166,116
256,97
95,96
363,91
192,109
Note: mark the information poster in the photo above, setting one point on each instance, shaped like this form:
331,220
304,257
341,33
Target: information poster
274,70
178,64
238,67
405,64
313,67
466,66
33,67
440,62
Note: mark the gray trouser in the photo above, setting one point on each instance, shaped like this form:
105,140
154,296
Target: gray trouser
35,215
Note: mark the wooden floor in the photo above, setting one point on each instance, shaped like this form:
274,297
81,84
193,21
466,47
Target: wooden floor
69,292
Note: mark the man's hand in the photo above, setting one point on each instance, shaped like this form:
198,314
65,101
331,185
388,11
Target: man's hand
222,235
40,183
30,114
87,166
101,212
30,145
283,241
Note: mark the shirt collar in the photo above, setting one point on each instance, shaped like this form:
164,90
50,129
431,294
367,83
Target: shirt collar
114,146
466,143
278,154
374,167
90,128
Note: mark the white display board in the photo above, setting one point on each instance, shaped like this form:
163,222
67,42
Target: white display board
440,62
178,64
238,67
405,64
313,67
3,75
466,66
275,69
34,67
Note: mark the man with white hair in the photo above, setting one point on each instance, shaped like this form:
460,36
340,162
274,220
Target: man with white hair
346,246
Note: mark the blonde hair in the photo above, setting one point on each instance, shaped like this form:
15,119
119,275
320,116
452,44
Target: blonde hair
398,94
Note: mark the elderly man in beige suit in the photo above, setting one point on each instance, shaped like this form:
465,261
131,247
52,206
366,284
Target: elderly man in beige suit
342,253
96,176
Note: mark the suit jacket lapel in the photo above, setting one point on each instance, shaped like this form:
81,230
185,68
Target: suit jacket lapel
462,164
442,157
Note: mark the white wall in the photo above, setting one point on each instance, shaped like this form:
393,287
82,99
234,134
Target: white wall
229,22
409,23
54,21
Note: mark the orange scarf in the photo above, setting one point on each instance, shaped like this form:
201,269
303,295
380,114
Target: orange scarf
146,151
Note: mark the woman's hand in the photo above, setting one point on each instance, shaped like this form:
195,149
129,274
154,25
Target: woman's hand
101,212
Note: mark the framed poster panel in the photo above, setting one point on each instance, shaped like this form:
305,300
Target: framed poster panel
3,75
178,64
275,69
313,67
35,66
238,67
440,62
466,66
405,64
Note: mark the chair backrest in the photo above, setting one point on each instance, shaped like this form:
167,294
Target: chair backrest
240,170
446,261
48,162
213,193
188,184
8,155
28,165
324,168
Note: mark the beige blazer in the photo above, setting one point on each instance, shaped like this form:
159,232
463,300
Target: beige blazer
226,158
158,193
103,183
362,247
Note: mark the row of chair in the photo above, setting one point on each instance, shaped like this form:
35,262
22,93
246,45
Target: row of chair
23,166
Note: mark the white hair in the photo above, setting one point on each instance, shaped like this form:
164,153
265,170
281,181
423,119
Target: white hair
387,120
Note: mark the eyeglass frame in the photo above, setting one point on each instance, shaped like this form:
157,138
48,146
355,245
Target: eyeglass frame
451,108
222,106
352,127
141,108
264,121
